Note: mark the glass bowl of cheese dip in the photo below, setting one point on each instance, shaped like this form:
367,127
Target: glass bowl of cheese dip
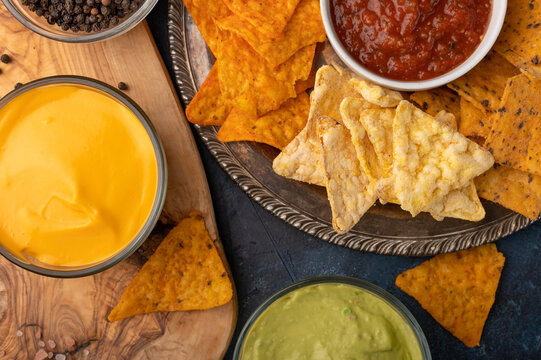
83,176
331,317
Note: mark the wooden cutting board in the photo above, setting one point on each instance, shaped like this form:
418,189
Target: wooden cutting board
78,308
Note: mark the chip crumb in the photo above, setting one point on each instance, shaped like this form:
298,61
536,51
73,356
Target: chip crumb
86,352
51,343
41,344
19,333
60,357
50,355
69,342
41,355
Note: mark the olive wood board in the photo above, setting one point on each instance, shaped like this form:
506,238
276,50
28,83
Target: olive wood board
78,308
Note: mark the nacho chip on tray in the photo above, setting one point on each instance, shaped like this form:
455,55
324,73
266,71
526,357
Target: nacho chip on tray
430,159
473,121
241,70
483,86
305,28
511,188
515,138
350,191
204,13
457,289
276,128
209,107
184,273
435,100
269,16
519,39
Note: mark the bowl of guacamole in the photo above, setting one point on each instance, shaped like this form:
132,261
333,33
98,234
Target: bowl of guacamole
332,317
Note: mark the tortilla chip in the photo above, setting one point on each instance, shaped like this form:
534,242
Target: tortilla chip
483,86
513,189
515,138
276,128
301,158
375,94
519,39
184,273
209,107
473,122
241,70
435,100
430,159
204,13
269,16
457,289
446,118
305,28
350,191
352,110
303,85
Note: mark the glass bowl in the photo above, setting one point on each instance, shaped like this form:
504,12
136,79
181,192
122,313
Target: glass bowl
135,243
40,26
378,292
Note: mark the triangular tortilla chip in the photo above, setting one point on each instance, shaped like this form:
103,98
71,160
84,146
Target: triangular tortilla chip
209,107
483,86
305,28
351,109
276,128
457,289
519,39
516,190
515,138
430,159
350,191
269,16
185,273
299,159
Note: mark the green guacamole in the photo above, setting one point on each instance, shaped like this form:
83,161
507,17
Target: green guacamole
330,321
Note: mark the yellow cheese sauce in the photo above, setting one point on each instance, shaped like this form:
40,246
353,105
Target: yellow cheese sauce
78,175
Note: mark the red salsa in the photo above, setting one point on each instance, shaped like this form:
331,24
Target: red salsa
411,39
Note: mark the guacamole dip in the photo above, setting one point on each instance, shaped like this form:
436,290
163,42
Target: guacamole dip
330,321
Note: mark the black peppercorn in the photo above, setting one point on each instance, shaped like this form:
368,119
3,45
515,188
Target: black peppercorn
18,85
5,58
122,86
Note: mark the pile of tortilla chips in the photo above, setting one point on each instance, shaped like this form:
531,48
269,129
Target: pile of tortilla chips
256,90
498,105
184,273
457,289
363,142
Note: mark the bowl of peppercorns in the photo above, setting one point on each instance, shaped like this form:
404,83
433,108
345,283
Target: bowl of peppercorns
79,21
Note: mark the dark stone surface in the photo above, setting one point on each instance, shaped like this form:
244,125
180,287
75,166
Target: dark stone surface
266,255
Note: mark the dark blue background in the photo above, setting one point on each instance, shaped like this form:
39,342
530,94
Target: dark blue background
266,254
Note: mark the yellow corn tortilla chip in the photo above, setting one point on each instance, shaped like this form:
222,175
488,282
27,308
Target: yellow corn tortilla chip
483,86
209,107
349,190
269,16
276,128
305,28
515,138
460,203
241,70
430,159
511,188
457,289
352,110
435,100
184,273
473,122
375,94
204,13
519,39
299,160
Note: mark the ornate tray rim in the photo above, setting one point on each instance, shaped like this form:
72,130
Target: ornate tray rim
404,246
